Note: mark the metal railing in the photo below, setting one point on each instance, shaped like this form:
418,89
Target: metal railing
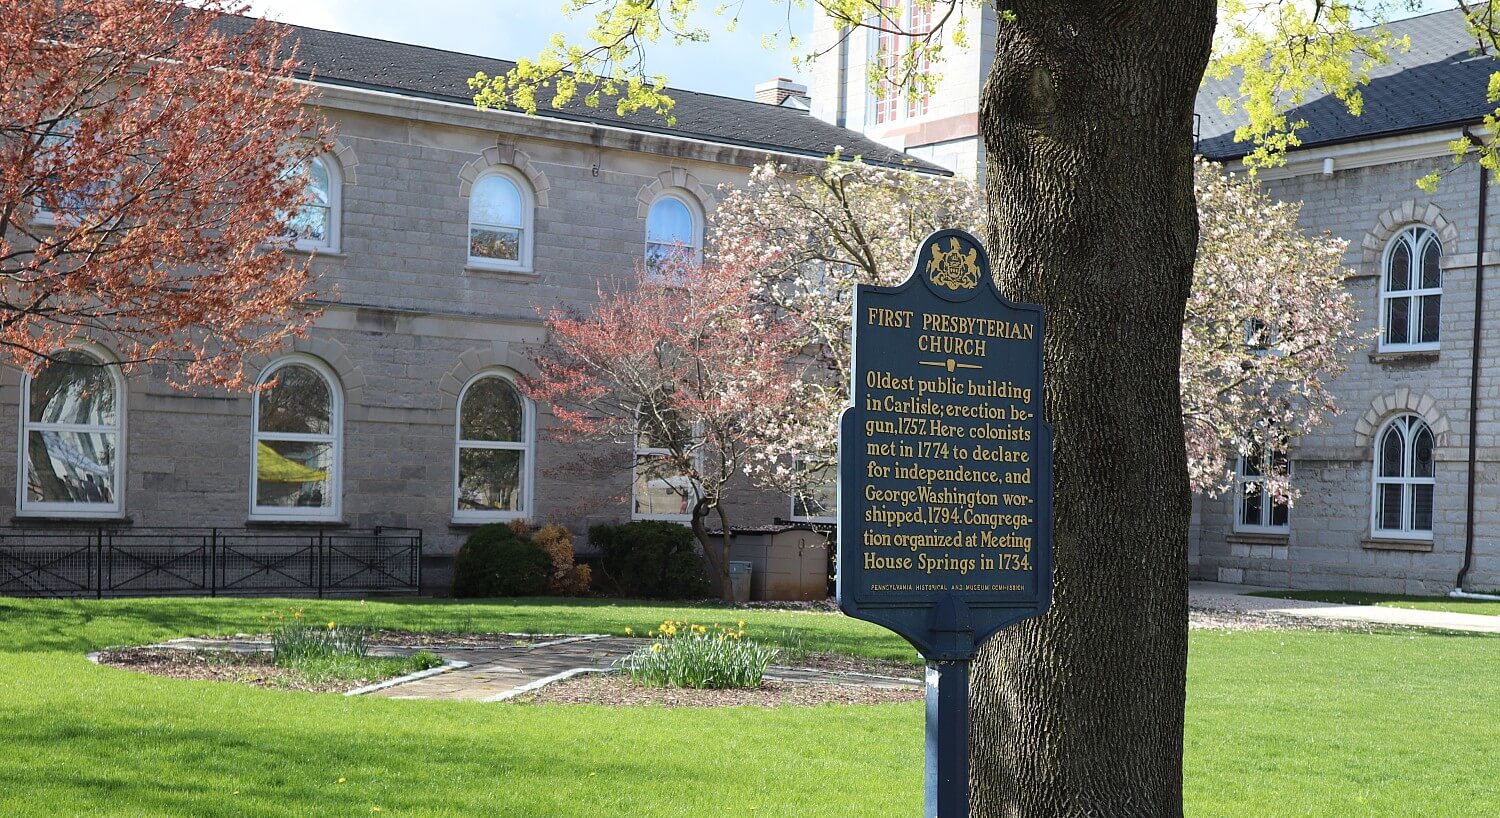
117,561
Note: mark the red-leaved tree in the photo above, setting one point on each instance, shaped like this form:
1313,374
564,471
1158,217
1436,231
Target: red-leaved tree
677,365
149,160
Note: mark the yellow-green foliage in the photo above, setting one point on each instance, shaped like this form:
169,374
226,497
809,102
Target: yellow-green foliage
565,579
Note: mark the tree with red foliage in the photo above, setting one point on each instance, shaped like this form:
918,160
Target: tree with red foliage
149,162
674,361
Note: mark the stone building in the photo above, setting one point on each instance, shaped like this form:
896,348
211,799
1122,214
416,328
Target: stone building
1400,492
439,231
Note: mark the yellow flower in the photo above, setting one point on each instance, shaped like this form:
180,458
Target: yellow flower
628,631
742,624
341,779
656,648
330,624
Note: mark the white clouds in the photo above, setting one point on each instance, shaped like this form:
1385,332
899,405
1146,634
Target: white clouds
731,64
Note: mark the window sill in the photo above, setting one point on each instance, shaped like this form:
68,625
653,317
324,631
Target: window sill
69,520
315,252
1257,538
1409,356
506,273
261,522
1376,544
469,524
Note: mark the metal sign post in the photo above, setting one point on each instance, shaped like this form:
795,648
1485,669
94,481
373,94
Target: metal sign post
945,477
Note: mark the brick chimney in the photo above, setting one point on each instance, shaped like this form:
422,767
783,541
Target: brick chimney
779,90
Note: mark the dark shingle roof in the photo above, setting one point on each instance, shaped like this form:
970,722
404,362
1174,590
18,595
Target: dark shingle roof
1439,82
430,73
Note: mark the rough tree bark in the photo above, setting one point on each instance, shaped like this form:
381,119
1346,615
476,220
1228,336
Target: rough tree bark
1087,121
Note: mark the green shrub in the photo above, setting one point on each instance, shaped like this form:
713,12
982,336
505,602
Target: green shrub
700,656
496,561
652,558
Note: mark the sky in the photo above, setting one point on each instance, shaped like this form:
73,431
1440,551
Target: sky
731,64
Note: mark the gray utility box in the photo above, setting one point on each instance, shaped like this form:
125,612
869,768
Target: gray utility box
789,562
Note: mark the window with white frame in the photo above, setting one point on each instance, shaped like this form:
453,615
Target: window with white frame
1256,509
1404,479
660,489
314,225
672,232
1411,291
892,32
298,428
72,433
816,499
500,219
493,461
55,155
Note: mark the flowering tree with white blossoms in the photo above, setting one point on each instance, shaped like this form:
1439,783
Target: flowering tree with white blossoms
810,239
1268,325
1268,321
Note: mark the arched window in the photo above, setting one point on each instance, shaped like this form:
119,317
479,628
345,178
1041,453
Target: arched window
500,217
298,422
672,227
315,223
1411,290
493,461
72,433
1404,479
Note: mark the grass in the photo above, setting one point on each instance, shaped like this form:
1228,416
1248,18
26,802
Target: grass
1279,724
1483,607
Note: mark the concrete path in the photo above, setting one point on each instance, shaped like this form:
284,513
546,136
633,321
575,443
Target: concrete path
1225,597
499,672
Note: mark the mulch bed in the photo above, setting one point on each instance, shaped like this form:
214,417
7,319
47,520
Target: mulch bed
853,664
254,669
615,690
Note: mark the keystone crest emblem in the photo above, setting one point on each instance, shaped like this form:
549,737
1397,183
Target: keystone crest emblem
953,268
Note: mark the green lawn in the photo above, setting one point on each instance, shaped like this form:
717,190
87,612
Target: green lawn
1483,607
1289,723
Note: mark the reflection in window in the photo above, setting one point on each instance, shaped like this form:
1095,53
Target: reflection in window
671,232
311,224
71,436
1404,478
1256,509
494,450
498,213
660,489
817,496
296,443
1411,290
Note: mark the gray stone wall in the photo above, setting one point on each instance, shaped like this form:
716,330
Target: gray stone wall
408,323
1329,544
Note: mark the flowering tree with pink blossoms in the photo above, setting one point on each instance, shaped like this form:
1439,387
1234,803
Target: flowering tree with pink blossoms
674,361
1268,321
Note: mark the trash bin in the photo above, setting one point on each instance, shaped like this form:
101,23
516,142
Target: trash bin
739,579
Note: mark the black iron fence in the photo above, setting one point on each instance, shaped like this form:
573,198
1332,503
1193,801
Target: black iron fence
113,561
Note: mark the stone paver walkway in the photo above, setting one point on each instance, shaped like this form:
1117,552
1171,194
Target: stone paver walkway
502,671
1225,597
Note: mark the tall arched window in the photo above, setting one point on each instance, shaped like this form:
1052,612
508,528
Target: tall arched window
664,445
493,460
1411,291
298,422
1404,479
315,224
500,218
72,433
672,226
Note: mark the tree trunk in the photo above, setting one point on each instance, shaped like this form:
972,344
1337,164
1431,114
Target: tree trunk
719,563
1087,124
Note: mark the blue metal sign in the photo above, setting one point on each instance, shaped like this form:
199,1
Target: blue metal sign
945,478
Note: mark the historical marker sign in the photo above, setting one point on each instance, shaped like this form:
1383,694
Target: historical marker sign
945,478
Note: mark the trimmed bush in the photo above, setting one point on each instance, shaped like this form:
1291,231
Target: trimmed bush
653,559
496,561
565,578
